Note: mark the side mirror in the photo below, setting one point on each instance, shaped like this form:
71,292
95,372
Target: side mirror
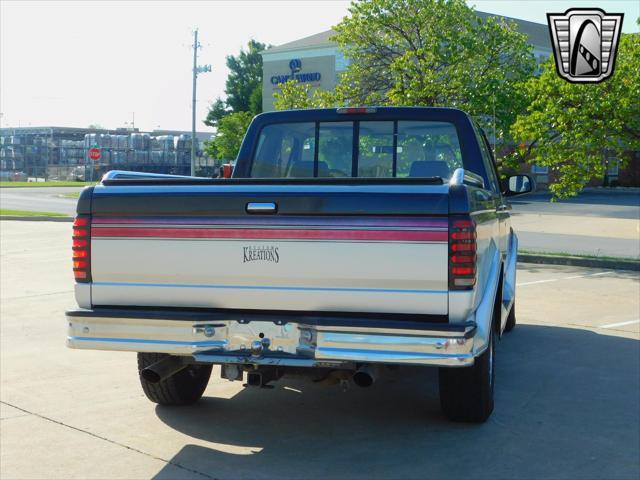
519,185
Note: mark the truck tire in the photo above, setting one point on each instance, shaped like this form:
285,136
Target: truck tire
511,319
182,388
466,394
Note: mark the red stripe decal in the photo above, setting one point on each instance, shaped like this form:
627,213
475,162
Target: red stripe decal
273,234
284,222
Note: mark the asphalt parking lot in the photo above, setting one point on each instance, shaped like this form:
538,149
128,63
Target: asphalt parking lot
567,395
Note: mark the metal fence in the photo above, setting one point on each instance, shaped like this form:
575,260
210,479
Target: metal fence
48,156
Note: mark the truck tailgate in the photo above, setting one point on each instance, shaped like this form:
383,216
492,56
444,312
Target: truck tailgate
330,248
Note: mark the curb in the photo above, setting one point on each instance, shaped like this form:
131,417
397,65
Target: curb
613,190
609,263
42,218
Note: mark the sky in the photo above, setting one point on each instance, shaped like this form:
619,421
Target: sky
77,63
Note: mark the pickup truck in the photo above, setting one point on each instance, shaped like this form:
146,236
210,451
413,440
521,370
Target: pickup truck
346,242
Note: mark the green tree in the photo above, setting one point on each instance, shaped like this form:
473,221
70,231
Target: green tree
243,87
294,95
429,53
572,128
231,130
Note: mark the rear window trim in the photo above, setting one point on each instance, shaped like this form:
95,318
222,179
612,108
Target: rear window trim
356,141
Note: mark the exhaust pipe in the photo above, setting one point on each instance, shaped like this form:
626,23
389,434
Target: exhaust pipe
163,369
365,376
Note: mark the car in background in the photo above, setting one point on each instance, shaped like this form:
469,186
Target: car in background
11,176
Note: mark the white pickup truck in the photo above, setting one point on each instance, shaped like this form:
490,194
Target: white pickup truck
345,241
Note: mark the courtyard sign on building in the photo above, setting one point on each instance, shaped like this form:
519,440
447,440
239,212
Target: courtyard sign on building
295,65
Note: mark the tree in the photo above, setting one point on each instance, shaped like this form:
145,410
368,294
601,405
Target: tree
231,130
294,95
571,128
243,87
429,53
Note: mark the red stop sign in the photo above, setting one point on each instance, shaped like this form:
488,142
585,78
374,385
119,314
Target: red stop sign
95,153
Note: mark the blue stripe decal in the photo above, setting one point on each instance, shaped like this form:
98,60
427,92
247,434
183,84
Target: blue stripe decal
220,343
257,287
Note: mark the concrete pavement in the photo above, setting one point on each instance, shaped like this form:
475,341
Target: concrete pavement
567,395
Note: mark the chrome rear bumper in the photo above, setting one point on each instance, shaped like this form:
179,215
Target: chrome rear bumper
273,342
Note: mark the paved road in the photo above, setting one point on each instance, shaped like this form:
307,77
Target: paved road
567,395
39,199
578,244
604,204
593,223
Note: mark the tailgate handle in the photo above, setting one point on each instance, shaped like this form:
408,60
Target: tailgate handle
262,207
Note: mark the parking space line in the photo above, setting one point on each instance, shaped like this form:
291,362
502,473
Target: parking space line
536,282
620,324
523,284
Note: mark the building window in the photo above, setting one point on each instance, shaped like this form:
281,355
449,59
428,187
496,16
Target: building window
341,62
613,167
539,170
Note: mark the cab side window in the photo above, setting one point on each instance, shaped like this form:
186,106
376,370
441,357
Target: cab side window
487,160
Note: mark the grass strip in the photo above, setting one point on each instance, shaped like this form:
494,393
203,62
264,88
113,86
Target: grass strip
28,213
52,183
578,255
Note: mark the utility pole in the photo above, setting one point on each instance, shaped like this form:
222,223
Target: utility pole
196,71
196,45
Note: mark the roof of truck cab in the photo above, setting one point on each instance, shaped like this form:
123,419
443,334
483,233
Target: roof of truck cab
379,113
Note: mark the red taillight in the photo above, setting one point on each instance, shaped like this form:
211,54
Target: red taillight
463,247
462,253
463,258
354,110
463,235
81,248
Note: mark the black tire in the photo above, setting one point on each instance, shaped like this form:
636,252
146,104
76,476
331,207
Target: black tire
511,319
182,388
466,394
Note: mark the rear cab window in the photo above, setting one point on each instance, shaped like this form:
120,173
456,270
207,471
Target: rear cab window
365,149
